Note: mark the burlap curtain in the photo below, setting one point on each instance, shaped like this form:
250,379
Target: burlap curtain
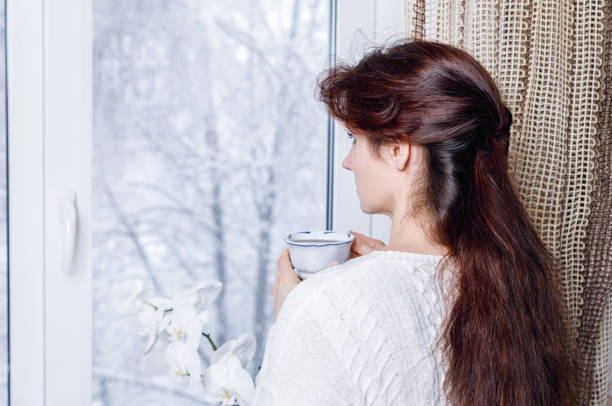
552,62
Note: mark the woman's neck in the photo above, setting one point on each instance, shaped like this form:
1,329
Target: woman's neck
409,236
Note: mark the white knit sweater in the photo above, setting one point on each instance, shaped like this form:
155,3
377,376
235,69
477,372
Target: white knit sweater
358,333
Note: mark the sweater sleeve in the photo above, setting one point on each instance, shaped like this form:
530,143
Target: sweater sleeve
300,365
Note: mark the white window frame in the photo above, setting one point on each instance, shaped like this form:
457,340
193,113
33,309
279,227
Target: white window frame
49,146
49,86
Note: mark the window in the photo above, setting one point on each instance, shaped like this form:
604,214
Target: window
208,148
192,141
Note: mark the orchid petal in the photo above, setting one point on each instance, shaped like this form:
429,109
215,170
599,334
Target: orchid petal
242,383
216,378
221,353
200,291
181,316
150,342
228,380
194,329
193,364
174,358
127,297
243,348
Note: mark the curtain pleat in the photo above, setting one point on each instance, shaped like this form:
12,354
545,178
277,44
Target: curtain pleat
596,25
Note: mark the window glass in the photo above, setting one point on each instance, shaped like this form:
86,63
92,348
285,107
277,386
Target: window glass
209,147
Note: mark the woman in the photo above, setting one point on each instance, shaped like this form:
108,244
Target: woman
462,306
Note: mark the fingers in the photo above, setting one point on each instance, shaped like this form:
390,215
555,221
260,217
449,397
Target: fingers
355,233
275,284
363,244
285,273
286,279
360,239
284,260
360,245
368,241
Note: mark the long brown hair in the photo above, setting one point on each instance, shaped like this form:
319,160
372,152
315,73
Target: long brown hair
505,340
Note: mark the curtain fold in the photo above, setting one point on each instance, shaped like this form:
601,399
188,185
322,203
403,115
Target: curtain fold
552,62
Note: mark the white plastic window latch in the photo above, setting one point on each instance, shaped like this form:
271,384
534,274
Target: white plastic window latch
68,218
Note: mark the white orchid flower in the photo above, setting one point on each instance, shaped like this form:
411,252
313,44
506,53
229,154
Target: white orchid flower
242,348
155,317
198,292
128,297
187,324
181,315
184,361
227,382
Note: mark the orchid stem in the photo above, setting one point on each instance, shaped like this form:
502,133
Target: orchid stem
214,347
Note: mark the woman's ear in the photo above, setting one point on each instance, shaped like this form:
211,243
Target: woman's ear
399,154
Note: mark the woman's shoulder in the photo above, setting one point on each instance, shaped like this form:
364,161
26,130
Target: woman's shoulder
397,266
370,279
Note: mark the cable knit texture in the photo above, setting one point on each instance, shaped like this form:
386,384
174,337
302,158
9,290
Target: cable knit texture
358,333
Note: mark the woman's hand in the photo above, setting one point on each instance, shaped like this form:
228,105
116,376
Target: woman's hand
286,279
363,244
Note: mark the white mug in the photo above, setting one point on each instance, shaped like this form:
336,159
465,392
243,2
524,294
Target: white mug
313,251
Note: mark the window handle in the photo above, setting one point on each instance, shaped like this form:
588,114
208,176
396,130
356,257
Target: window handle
67,215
